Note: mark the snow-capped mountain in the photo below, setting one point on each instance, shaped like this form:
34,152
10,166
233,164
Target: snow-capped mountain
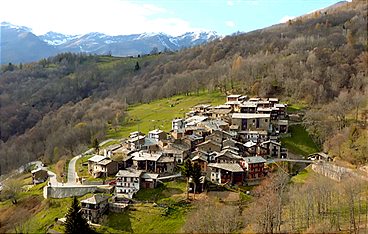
126,45
19,44
55,39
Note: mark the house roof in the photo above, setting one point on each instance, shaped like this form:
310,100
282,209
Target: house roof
202,106
232,148
134,139
214,124
280,105
264,109
37,170
196,119
156,131
177,120
273,99
129,173
221,111
249,104
97,158
228,153
234,127
149,141
147,175
199,157
194,137
166,159
234,96
223,107
249,144
114,147
95,199
233,103
104,162
262,132
143,156
249,115
230,140
254,159
233,167
209,142
254,99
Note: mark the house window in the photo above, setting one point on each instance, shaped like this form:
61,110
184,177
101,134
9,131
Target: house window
266,120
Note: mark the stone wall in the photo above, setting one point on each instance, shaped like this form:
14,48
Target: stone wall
65,191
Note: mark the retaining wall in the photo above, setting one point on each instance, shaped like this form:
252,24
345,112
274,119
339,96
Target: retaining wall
65,191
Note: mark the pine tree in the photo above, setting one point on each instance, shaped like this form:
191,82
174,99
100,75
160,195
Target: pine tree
137,67
187,170
96,145
75,223
196,176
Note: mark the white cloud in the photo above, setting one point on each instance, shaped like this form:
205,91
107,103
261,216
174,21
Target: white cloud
230,3
230,23
111,17
286,18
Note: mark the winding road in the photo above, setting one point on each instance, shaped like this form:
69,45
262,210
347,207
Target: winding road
72,173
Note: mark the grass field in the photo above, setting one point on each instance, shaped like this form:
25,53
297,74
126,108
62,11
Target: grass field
159,114
299,142
295,107
302,176
82,170
167,216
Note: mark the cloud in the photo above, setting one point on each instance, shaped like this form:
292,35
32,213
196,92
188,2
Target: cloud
230,3
230,23
113,17
286,18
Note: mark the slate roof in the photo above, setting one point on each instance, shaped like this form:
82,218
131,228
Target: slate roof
97,158
129,173
95,199
254,159
233,167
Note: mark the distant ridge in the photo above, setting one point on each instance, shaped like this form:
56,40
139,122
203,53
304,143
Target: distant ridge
19,44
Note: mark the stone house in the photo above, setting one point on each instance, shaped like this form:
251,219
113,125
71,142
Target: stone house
39,176
94,207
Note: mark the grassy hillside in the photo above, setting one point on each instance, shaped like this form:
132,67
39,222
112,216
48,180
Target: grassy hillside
160,113
299,142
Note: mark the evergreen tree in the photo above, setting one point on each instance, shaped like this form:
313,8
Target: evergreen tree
196,176
137,67
75,223
96,145
187,170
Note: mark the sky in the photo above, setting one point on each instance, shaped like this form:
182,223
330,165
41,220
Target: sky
173,17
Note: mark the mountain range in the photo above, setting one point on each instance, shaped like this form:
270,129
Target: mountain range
19,44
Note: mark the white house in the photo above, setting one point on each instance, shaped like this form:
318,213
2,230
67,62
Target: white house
127,183
177,124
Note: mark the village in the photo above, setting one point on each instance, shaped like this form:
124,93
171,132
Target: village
230,143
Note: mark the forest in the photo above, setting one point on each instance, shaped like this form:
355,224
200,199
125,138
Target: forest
59,105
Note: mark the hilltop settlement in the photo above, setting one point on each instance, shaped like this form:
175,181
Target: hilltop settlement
230,143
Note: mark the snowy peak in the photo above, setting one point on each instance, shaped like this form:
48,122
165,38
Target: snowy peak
98,43
7,25
55,39
124,45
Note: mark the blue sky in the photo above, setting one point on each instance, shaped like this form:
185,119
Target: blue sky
175,17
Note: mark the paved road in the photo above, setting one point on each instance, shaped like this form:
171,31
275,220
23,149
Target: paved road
72,173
